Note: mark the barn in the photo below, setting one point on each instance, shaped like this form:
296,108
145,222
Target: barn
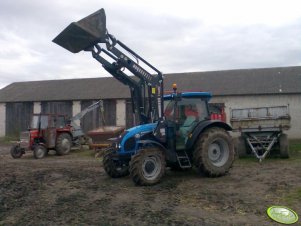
230,88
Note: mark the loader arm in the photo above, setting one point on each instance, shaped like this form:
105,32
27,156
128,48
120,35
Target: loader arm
77,130
90,34
115,70
81,114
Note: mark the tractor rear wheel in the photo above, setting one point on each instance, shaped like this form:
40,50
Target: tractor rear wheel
16,152
114,168
63,144
214,152
147,167
39,152
284,146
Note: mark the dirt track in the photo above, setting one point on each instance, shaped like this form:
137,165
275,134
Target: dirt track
74,189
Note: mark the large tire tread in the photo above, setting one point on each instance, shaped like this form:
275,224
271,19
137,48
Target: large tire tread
37,152
240,147
200,156
59,147
110,166
135,166
284,146
16,152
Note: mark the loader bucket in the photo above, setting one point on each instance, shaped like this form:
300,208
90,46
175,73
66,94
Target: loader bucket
84,33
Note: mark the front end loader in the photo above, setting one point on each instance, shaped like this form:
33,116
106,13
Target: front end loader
174,130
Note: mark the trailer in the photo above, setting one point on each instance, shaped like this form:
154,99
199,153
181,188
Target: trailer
103,137
261,131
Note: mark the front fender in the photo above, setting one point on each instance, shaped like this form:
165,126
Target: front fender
201,127
169,154
143,143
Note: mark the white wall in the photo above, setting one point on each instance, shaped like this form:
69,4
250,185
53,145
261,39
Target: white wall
294,102
120,112
2,119
76,108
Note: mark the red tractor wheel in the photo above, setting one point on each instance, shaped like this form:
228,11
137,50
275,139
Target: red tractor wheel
16,152
63,144
39,151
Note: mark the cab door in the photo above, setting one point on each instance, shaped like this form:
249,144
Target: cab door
189,112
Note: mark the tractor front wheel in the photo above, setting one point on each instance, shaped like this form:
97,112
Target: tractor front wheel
16,152
39,152
214,152
147,167
114,168
63,144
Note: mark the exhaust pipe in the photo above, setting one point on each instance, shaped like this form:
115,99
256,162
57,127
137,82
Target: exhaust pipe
84,33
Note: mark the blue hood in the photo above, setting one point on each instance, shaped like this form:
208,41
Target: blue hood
130,133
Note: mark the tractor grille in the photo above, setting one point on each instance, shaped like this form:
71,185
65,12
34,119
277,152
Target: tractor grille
24,136
24,139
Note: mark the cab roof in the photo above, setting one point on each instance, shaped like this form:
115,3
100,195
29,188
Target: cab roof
205,95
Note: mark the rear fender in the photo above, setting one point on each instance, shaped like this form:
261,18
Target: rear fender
201,127
38,144
65,130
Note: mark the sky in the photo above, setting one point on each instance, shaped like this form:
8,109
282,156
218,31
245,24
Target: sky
174,36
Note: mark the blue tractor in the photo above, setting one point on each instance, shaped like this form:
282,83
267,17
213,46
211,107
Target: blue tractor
173,130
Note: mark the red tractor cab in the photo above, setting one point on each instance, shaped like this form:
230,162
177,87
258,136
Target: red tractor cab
46,132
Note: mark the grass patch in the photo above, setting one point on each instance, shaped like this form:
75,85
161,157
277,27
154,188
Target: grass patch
295,146
293,197
294,150
84,152
8,139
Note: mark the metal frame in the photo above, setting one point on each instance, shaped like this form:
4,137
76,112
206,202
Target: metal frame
147,92
261,144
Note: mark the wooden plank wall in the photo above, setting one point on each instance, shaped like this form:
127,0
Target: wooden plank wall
57,107
93,119
18,116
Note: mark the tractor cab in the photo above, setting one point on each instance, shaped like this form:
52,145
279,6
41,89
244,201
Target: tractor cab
183,112
45,128
44,121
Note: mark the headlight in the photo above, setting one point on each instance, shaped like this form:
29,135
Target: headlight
137,136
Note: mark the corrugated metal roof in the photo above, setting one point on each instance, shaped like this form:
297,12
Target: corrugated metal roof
282,80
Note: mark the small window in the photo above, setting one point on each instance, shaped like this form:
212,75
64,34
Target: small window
60,123
52,120
44,121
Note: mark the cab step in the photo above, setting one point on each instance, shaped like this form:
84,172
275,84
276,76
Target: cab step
183,159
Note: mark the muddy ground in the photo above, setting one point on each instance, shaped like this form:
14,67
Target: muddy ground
75,190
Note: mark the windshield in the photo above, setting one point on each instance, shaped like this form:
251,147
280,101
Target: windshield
186,107
35,122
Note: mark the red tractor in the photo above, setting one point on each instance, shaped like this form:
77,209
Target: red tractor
53,132
46,132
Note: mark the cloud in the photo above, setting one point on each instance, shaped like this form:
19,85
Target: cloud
15,54
174,37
